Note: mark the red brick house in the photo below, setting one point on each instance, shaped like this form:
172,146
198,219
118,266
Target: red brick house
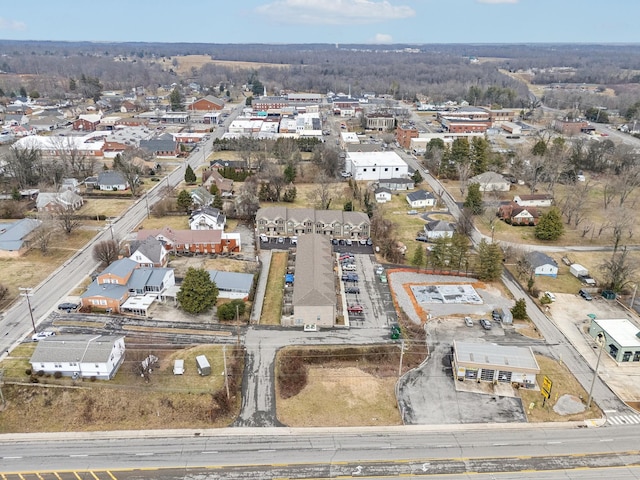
404,134
87,123
194,241
514,214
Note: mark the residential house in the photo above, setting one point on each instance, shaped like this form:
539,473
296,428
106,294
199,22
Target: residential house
236,165
149,252
115,287
16,119
491,182
194,241
287,222
542,264
14,236
163,145
79,356
201,197
232,284
225,185
112,181
537,200
438,229
514,214
128,107
58,201
382,195
206,104
397,184
421,199
71,184
314,299
207,218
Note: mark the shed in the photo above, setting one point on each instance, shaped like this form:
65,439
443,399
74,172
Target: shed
578,270
506,316
203,366
178,367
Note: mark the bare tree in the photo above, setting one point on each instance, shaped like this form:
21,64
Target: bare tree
24,165
76,163
321,195
106,252
128,164
618,270
67,220
43,235
620,222
572,206
246,203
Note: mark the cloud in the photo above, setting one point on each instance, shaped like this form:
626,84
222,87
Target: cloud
382,38
496,2
334,12
15,25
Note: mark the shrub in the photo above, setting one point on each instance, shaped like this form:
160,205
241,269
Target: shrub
40,373
57,375
28,372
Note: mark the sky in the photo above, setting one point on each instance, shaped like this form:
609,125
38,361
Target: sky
323,21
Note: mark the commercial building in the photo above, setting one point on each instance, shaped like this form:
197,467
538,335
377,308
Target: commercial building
618,337
375,166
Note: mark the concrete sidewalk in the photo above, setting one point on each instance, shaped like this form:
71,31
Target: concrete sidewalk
261,288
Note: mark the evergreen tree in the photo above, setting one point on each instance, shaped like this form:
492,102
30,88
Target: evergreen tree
550,226
189,176
479,155
348,206
289,172
473,202
73,85
489,261
213,189
175,99
217,202
519,311
417,260
184,201
416,177
289,194
198,292
539,149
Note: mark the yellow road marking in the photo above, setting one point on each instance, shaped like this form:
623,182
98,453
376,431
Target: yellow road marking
94,475
111,475
77,476
57,476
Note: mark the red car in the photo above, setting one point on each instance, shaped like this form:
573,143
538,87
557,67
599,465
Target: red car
355,309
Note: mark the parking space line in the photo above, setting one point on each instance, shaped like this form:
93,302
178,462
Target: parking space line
77,476
94,475
111,475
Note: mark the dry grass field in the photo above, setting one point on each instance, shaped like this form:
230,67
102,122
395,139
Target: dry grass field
187,62
272,306
127,402
109,207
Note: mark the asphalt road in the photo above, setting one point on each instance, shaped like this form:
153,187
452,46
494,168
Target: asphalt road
16,323
521,451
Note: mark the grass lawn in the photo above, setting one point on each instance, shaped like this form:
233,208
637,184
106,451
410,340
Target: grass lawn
175,222
109,207
127,402
564,383
272,305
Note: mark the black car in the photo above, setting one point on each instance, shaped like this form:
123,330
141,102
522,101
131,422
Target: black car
349,277
68,306
586,295
352,290
420,238
496,316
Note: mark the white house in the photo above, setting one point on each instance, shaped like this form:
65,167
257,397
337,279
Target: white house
538,200
84,356
542,264
491,182
207,218
112,181
382,194
421,199
375,166
438,229
55,202
149,252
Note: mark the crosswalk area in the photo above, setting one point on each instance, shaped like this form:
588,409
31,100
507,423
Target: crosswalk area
624,420
67,475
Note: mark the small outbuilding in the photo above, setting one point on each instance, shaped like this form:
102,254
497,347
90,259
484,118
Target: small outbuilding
488,362
203,366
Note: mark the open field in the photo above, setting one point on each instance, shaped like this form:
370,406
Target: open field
176,222
564,383
272,306
125,403
187,62
109,207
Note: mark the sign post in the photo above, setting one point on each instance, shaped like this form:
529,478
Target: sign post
547,384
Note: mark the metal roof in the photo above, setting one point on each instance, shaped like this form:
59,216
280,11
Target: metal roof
621,330
490,355
12,234
231,281
75,348
314,285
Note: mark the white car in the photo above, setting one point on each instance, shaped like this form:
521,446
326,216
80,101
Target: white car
468,321
40,335
550,296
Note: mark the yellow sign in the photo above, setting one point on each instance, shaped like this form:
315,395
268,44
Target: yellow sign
546,387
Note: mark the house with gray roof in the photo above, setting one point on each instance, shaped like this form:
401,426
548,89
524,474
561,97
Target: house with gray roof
287,222
201,197
395,184
421,199
382,195
13,236
439,229
207,218
149,252
542,264
314,300
232,284
65,200
112,180
491,182
79,356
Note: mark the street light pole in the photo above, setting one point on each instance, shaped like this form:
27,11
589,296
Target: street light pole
595,372
27,293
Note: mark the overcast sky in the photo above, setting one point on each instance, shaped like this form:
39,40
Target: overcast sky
323,21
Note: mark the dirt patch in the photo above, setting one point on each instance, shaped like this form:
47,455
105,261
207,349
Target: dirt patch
187,62
568,405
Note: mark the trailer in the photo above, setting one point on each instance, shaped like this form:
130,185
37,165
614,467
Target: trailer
578,270
203,366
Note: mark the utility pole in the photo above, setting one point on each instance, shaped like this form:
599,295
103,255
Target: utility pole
401,358
4,403
601,341
226,378
27,293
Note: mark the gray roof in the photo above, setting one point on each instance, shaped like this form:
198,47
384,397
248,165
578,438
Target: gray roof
160,144
400,181
107,290
111,178
302,214
439,226
12,234
232,281
151,248
201,196
382,190
419,195
120,268
488,177
64,198
75,348
146,276
499,356
538,259
314,285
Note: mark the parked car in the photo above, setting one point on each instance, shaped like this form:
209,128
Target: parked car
468,321
346,256
412,212
362,241
379,270
264,238
550,296
496,316
352,290
40,335
280,239
334,241
584,294
369,242
355,309
68,306
420,238
349,268
486,324
349,277
349,242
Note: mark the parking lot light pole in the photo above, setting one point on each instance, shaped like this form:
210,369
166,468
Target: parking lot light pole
601,342
27,293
